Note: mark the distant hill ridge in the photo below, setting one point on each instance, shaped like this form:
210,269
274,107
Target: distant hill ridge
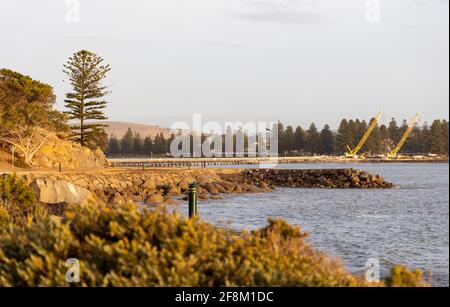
118,129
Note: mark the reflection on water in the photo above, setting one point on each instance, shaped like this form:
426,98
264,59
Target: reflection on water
408,225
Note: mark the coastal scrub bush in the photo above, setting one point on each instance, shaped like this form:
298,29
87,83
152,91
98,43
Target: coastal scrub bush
130,246
402,277
5,217
18,202
13,189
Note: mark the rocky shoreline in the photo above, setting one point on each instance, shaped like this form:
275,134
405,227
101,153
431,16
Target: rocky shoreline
170,186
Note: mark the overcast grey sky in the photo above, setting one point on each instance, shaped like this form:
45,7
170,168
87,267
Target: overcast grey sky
259,60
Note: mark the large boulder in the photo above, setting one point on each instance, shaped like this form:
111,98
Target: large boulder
149,184
228,186
211,188
55,191
204,179
173,190
154,199
184,184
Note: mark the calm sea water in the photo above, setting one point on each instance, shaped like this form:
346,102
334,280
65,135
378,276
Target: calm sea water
407,225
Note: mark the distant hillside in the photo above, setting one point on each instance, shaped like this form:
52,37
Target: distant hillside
120,128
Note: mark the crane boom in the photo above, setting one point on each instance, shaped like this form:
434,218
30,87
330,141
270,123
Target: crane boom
353,152
393,153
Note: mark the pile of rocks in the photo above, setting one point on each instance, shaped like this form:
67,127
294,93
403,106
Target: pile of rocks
151,187
316,178
161,186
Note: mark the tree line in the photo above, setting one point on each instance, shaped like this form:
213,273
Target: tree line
133,144
423,139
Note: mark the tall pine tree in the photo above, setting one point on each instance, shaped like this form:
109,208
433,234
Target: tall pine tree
137,144
281,144
86,72
299,139
393,130
438,139
127,142
113,146
327,140
289,139
159,146
373,143
444,125
313,144
147,147
344,137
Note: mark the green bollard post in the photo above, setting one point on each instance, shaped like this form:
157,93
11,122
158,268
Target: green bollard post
192,199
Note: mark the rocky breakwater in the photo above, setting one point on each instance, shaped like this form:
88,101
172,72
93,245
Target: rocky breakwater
151,187
170,186
314,178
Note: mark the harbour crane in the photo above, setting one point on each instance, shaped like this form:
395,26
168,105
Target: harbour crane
353,153
393,153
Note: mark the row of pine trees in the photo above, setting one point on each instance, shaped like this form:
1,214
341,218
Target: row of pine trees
132,144
424,139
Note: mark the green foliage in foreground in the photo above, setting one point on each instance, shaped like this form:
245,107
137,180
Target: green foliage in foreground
401,276
128,246
18,202
13,189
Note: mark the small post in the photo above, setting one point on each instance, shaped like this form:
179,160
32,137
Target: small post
13,149
60,167
192,199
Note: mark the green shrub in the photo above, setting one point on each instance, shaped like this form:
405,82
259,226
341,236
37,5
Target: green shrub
128,246
13,189
5,217
402,277
18,201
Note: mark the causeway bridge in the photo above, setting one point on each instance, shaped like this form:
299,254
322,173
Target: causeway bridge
205,162
236,161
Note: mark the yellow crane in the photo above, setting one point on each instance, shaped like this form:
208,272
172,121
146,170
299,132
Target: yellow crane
393,153
352,153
